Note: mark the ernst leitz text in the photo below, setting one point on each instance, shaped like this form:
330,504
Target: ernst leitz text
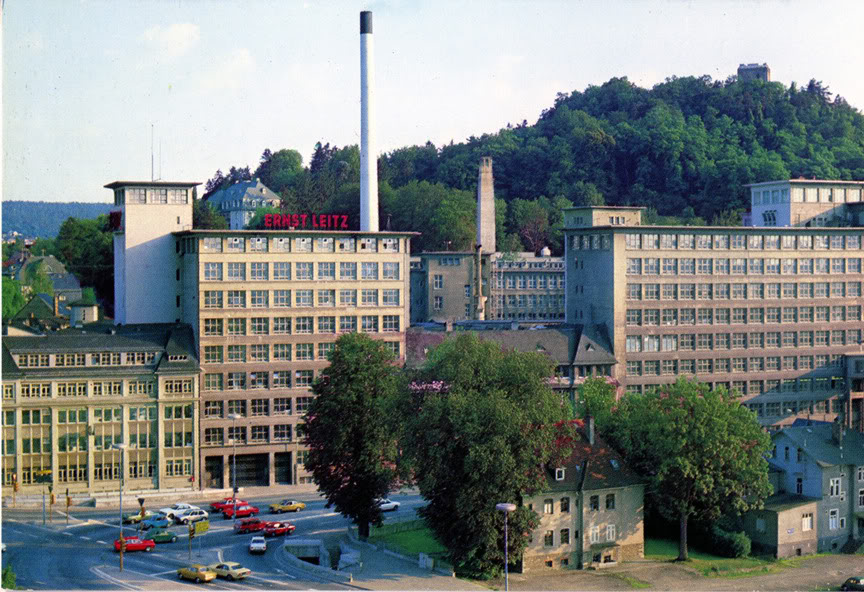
329,221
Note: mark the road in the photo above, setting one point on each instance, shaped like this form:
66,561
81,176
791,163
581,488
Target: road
81,556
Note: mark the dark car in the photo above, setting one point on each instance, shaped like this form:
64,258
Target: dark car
853,583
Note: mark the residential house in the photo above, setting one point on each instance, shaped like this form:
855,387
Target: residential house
238,202
785,527
591,514
824,462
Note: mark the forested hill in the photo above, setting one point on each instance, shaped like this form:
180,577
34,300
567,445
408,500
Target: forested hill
43,218
687,142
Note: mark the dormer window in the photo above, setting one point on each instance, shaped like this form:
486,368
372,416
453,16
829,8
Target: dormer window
614,463
559,474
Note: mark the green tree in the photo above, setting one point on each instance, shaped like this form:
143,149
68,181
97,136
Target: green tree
349,429
480,428
86,246
257,222
39,282
703,451
10,249
13,299
9,578
279,169
597,398
44,246
205,217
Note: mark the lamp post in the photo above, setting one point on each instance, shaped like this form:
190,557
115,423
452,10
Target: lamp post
120,446
506,508
234,417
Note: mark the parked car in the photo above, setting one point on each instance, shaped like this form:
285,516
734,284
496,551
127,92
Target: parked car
853,583
133,543
190,516
279,529
157,521
287,506
386,505
197,572
172,511
136,517
230,570
228,502
250,525
258,544
160,535
242,511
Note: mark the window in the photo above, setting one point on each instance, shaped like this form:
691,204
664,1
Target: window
390,271
213,271
281,270
212,382
610,532
807,521
282,406
549,538
303,271
565,536
259,380
214,436
565,504
236,299
327,270
369,297
303,297
282,433
326,297
303,351
213,409
390,297
595,534
236,271
348,271
347,324
390,323
369,270
326,324
594,502
303,378
610,501
833,516
212,354
548,506
237,434
258,299
258,244
369,324
236,381
282,379
303,404
834,487
303,325
212,327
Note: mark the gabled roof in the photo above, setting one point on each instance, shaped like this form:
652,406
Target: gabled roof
818,444
592,467
64,281
594,346
243,191
40,306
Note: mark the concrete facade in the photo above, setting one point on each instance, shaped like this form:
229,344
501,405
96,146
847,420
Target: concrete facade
771,313
148,213
267,308
785,527
486,207
68,396
805,202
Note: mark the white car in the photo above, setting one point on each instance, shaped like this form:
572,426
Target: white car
172,511
190,516
258,544
386,505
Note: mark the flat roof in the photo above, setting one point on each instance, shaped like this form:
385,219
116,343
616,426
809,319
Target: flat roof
118,184
632,227
806,181
200,231
605,208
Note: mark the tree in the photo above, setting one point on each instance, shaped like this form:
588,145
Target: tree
13,299
349,429
205,216
9,578
257,221
39,282
480,428
597,398
703,451
86,246
279,169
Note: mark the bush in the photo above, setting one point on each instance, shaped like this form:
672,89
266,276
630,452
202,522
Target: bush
730,544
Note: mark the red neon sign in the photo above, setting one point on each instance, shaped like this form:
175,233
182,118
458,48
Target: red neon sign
319,221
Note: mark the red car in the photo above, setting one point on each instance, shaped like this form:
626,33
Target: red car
242,511
133,543
251,525
228,502
279,529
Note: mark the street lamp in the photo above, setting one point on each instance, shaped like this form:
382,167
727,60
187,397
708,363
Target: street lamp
234,417
506,508
120,446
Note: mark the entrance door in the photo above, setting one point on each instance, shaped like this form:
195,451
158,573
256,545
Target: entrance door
282,462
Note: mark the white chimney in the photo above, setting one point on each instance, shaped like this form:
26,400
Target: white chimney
486,207
368,159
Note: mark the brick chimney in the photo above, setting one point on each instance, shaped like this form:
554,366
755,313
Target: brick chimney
56,305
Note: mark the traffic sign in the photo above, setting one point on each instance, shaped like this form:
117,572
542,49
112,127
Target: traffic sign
202,526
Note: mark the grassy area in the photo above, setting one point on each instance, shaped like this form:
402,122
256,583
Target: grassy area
713,566
411,542
631,581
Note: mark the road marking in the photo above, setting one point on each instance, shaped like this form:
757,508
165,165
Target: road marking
86,538
102,542
112,579
68,533
331,514
162,573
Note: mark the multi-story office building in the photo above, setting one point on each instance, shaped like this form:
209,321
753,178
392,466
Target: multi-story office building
772,313
516,286
70,396
806,202
267,308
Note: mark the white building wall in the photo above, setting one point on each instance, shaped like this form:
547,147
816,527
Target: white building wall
147,288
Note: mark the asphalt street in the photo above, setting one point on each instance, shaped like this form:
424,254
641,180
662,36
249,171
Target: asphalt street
80,556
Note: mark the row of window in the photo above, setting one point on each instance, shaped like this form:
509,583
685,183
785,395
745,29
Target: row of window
141,195
539,281
264,352
256,407
652,317
796,241
302,271
304,325
299,244
32,360
95,388
742,266
301,298
674,367
75,470
256,434
564,536
755,291
725,341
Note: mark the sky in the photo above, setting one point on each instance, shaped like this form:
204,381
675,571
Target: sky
218,81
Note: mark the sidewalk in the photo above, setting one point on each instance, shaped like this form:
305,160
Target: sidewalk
383,572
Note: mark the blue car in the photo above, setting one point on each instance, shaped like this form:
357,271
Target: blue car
160,521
